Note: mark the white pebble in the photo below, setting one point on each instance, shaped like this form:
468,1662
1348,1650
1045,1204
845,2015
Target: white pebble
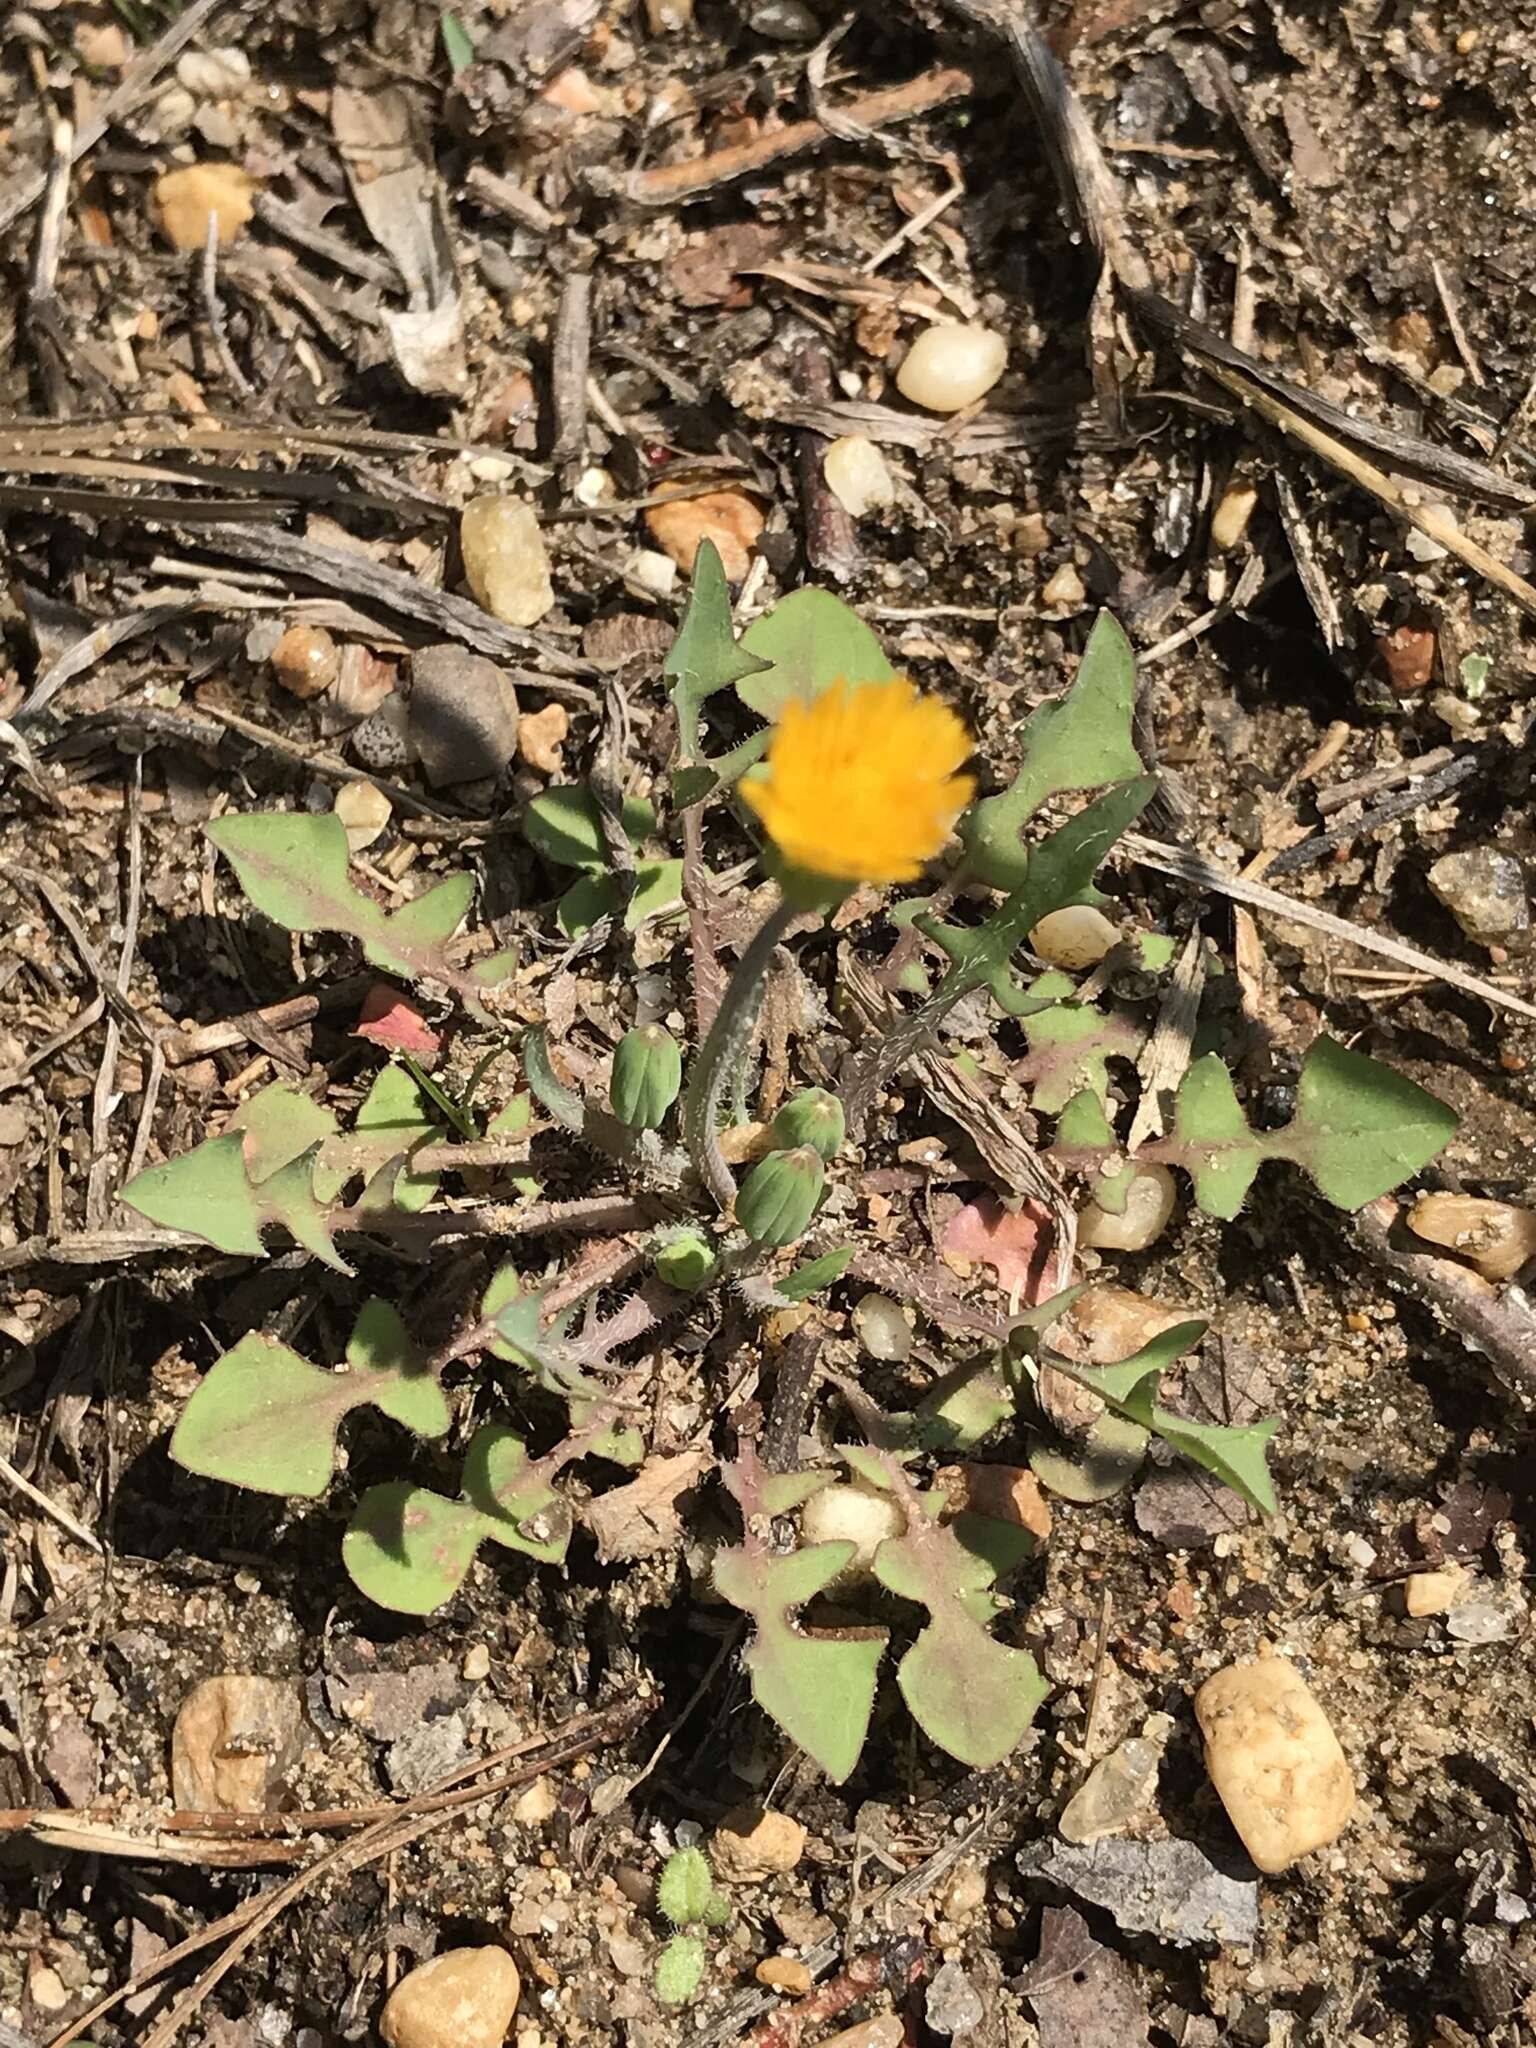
1065,592
948,368
651,571
858,475
214,74
1149,1206
858,1514
1079,936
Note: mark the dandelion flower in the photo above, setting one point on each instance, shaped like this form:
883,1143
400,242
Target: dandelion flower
860,785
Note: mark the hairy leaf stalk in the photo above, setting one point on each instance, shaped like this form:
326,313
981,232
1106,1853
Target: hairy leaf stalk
722,1050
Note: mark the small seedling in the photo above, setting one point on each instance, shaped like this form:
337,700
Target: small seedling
687,1899
267,1418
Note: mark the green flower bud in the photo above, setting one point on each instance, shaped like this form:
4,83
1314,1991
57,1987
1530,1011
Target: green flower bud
647,1074
779,1196
685,1260
814,1118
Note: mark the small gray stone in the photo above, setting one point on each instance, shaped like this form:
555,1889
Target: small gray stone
785,21
463,714
882,1329
428,1751
1169,1889
954,2005
1485,892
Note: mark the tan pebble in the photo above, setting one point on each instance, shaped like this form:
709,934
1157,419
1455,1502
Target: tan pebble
102,45
364,811
950,367
1149,1204
1229,522
46,1988
750,1845
1031,535
1065,592
1408,656
730,519
859,1514
234,1738
505,561
1274,1760
666,17
214,74
858,475
745,1144
539,1803
306,661
1008,1493
477,1663
184,199
1107,1325
784,1973
966,1892
889,2031
540,735
573,93
1426,1593
1496,1236
464,1999
1078,936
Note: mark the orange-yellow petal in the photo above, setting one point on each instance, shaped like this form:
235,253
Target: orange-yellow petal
860,785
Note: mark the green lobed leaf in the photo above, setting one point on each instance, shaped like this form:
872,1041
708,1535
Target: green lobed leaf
294,869
207,1191
1071,1045
808,641
1081,741
1210,1139
658,887
265,1418
393,1120
692,784
705,656
819,1685
1360,1128
971,1695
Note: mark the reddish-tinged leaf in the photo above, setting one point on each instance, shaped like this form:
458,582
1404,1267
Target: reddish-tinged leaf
1017,1245
391,1019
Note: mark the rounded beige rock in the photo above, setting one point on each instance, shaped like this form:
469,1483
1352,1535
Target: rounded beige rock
1149,1206
950,367
750,1845
364,811
463,1999
505,559
1078,936
858,475
1274,1760
1496,1236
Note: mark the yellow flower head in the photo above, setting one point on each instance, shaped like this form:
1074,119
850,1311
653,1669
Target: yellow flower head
860,785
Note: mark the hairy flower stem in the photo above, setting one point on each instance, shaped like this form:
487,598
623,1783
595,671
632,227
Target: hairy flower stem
717,1059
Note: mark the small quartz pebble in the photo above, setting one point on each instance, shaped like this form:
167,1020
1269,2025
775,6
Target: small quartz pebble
952,2005
234,1739
505,560
1426,1593
463,1999
858,475
1065,592
651,572
948,368
1274,1760
1118,1788
730,519
966,1892
784,1973
306,661
1497,1237
1229,522
541,1802
1078,936
1485,892
1492,1617
477,1663
540,735
463,714
857,1513
214,74
183,200
666,17
45,1987
750,1845
364,810
785,21
1149,1206
882,1328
